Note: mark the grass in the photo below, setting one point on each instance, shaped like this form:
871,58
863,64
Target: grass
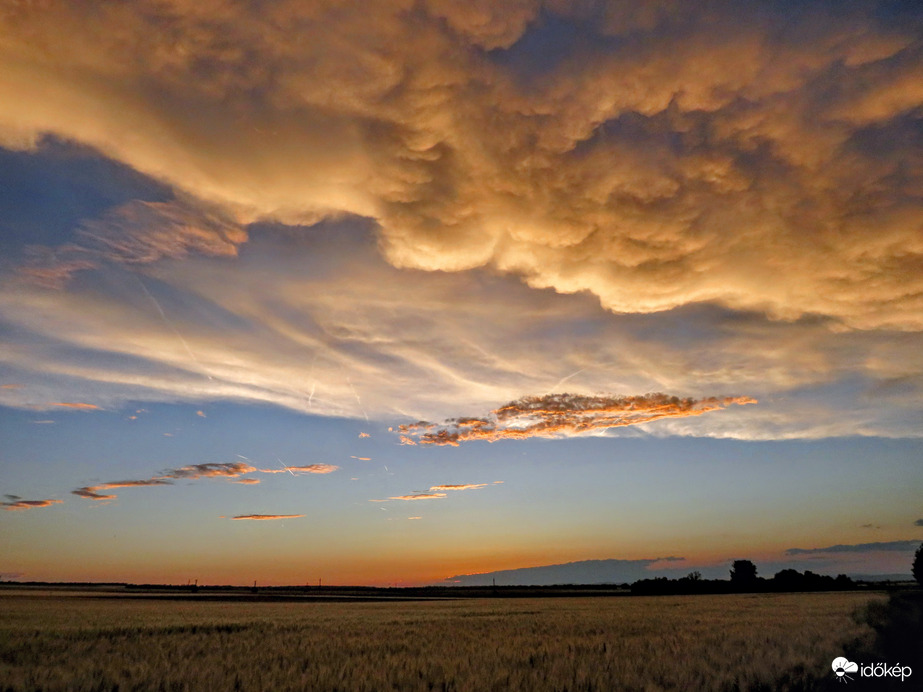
65,641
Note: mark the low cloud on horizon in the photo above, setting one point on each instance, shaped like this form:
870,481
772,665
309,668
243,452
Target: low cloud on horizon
899,546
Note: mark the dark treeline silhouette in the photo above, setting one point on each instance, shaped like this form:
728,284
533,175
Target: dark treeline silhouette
744,579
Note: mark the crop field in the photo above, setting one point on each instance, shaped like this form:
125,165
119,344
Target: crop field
59,640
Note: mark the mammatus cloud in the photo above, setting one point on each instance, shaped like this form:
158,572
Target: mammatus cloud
555,415
15,503
266,517
657,155
899,546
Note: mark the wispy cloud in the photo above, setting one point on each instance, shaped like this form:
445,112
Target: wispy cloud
415,496
267,517
898,546
557,415
467,486
15,504
77,405
247,481
224,470
310,468
93,492
191,472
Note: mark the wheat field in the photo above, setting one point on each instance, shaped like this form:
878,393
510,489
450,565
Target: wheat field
67,641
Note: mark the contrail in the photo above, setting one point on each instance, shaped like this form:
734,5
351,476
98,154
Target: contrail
358,400
166,320
563,380
285,467
313,387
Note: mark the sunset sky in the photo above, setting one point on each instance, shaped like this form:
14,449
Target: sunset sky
399,291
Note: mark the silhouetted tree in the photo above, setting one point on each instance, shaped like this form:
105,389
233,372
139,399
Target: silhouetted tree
917,568
743,574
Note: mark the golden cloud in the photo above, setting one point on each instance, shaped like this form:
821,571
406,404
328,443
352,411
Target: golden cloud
468,486
268,517
310,468
556,415
418,496
77,405
191,472
14,505
673,155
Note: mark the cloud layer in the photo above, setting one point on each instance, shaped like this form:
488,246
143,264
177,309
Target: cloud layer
556,415
728,194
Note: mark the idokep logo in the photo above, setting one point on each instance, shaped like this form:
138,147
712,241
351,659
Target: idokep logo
842,667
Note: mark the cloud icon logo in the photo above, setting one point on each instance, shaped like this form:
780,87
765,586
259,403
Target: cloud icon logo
841,666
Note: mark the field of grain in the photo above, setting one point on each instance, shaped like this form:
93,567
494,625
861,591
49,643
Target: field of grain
65,641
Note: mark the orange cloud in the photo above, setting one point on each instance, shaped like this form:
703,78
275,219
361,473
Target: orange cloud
247,481
361,458
418,496
310,468
227,470
191,472
265,517
91,492
19,386
77,405
15,505
364,434
556,415
467,486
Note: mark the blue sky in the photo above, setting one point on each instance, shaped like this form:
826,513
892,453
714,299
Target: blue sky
463,288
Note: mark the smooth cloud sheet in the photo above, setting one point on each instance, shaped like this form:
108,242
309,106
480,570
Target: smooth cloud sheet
557,415
750,154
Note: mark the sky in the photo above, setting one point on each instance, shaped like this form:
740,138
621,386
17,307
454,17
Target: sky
412,291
